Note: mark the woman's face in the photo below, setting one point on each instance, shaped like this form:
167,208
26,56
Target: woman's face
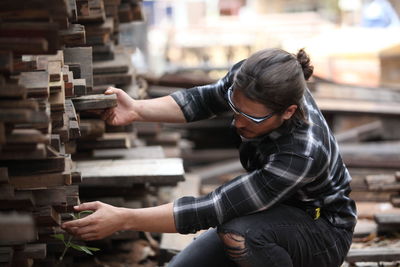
249,129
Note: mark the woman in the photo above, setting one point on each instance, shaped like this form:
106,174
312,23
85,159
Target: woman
291,208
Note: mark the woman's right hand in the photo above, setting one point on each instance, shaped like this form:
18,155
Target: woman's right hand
124,113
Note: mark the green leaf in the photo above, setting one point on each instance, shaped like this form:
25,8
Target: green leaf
81,248
58,236
73,216
87,212
93,249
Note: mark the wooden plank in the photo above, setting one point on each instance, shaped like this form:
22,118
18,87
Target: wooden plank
27,136
6,62
89,102
107,141
19,104
56,164
6,255
54,70
40,180
128,172
38,152
79,87
6,191
373,255
372,154
39,30
116,78
32,251
73,36
82,56
145,152
12,91
36,82
46,216
21,65
23,116
3,175
387,223
2,134
22,200
382,183
369,131
90,11
50,197
16,228
92,128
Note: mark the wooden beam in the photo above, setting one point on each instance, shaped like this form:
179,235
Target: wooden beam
128,172
40,180
16,228
83,57
373,255
89,102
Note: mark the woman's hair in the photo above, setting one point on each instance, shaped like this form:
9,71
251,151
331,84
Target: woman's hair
276,79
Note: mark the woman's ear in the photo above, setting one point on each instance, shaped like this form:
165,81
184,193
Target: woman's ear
289,112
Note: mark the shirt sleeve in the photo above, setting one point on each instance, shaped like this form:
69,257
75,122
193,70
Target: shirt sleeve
203,102
284,173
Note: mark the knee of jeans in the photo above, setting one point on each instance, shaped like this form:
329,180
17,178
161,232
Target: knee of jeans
234,244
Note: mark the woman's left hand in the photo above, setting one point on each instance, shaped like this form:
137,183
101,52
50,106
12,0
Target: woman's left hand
105,220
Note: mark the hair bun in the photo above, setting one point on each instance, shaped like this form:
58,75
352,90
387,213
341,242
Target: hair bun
304,60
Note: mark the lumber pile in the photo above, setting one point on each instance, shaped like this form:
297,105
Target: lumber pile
53,57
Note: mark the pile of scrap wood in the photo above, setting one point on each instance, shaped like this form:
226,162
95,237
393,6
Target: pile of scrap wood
48,92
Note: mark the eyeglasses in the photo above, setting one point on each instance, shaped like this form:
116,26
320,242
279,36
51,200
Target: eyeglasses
237,111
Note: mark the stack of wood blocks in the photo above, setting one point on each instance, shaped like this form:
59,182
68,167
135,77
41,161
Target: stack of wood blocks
47,92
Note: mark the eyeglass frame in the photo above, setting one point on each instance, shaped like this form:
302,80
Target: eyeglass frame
254,119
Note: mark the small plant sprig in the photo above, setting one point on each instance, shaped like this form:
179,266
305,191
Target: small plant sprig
68,244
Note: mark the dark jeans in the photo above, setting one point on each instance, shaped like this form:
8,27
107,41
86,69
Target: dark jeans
283,236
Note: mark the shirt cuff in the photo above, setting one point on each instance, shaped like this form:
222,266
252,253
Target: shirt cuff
191,217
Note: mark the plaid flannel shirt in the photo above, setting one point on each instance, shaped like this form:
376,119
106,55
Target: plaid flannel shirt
297,165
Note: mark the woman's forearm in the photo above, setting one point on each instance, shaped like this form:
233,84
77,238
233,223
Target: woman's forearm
155,219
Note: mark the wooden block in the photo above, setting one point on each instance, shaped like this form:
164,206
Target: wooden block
387,223
3,175
91,129
37,83
22,200
6,62
79,87
43,60
26,136
56,164
146,152
128,172
117,78
20,65
57,100
19,104
40,180
54,70
26,151
16,228
107,141
35,119
89,102
90,11
2,134
380,154
73,36
373,255
50,197
83,57
119,65
55,142
12,91
6,256
46,34
6,191
100,34
32,251
46,216
382,183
